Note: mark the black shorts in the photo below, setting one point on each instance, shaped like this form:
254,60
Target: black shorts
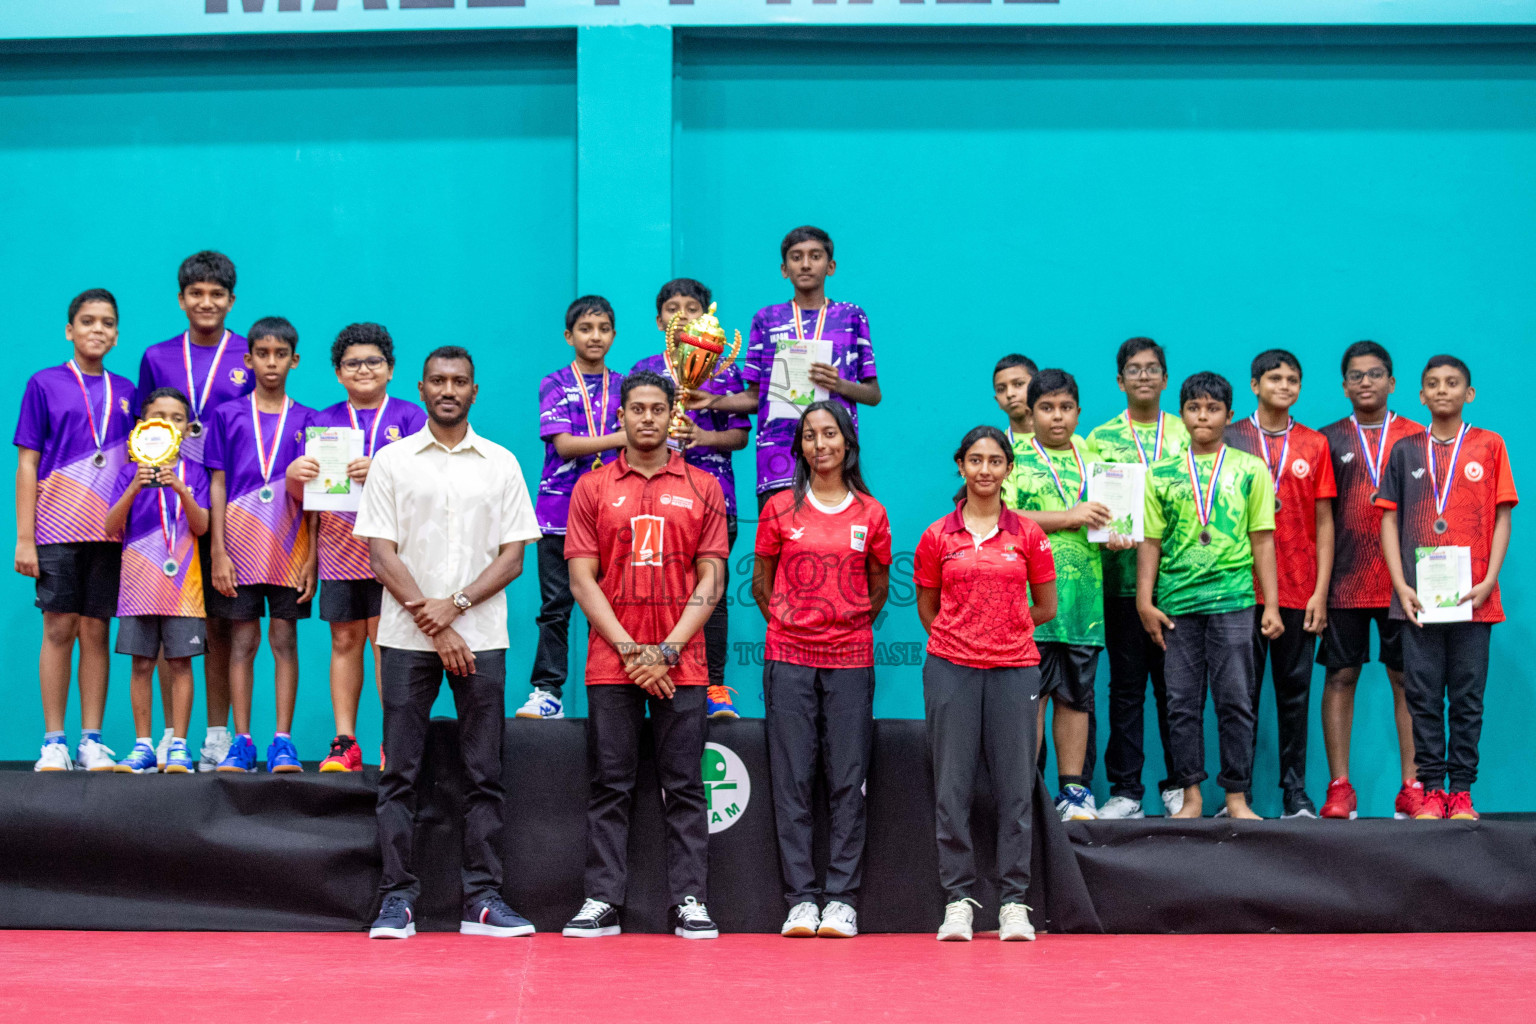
258,601
1067,673
79,578
350,600
1347,638
145,636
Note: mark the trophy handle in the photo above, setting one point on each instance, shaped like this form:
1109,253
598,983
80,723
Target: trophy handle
670,347
730,360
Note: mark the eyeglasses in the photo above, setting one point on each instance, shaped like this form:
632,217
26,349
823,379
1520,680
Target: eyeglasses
372,362
1149,370
1356,376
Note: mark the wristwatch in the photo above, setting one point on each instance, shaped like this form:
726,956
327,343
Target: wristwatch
461,602
669,653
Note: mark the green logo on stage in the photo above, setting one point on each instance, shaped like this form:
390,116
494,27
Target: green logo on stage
727,786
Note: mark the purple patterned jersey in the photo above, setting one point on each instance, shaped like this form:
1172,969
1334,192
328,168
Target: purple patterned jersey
773,329
713,461
73,493
343,556
563,411
266,540
165,366
152,545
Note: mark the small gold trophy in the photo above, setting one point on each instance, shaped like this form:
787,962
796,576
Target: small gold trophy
695,353
155,442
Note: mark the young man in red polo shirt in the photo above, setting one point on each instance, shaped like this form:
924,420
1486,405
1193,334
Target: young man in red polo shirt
646,541
1297,458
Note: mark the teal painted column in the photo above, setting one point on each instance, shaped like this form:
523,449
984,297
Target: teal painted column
624,170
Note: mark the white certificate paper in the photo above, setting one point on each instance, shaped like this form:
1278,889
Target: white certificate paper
333,448
1441,577
790,389
1122,486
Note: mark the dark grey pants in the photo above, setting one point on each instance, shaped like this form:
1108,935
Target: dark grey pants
551,660
978,716
1133,659
1445,669
830,712
410,685
1214,651
614,716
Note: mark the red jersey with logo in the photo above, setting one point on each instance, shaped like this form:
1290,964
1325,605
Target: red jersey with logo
819,615
645,534
1478,483
1302,470
983,619
1360,577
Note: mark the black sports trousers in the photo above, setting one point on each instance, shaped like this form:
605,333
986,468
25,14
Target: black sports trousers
1445,670
1133,658
1290,661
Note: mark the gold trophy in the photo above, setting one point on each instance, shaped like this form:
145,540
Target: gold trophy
156,443
695,353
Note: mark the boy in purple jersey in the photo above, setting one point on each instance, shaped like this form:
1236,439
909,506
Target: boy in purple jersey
69,439
351,597
160,511
849,378
206,362
579,424
712,436
263,550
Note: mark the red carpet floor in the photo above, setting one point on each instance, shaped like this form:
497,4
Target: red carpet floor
137,978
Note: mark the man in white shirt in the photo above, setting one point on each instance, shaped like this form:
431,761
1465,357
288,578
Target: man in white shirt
446,514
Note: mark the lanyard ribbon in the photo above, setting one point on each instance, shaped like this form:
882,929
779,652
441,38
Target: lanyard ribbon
1205,499
197,403
1373,466
1082,475
1443,497
1275,471
100,437
821,319
373,435
1157,444
168,523
265,458
586,405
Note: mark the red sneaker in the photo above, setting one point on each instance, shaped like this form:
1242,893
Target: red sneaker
1460,807
1341,802
1409,799
1435,805
344,756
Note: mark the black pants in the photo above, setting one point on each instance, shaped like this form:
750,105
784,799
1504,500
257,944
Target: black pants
717,627
551,661
614,716
1215,651
1133,657
977,714
826,711
1290,659
410,685
1446,664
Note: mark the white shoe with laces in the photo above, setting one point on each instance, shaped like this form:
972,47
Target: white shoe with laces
693,921
1013,923
1173,801
215,750
802,922
541,704
95,757
55,758
1121,807
163,748
839,921
957,921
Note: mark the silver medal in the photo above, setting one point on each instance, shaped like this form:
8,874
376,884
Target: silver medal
170,567
266,494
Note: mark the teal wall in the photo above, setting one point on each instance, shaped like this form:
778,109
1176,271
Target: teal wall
1052,194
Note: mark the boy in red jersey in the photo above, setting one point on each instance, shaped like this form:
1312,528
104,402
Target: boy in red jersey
1298,462
1453,491
1360,590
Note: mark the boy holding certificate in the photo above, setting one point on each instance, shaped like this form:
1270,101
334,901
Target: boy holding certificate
351,598
1446,524
1010,387
1299,463
1142,435
1209,532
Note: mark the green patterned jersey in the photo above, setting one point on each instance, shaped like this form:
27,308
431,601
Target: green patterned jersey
1196,578
1115,444
1079,572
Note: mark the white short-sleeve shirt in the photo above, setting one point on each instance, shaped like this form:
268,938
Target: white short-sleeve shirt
448,511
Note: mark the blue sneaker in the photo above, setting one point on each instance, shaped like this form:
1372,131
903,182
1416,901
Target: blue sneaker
493,917
241,756
282,757
396,920
718,702
140,759
541,704
177,760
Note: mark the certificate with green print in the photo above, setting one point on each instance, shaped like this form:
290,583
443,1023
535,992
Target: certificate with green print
1442,576
1122,488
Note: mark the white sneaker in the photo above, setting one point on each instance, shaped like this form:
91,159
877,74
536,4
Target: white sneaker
215,750
1173,801
95,757
55,759
163,748
1013,923
1119,807
1075,803
541,704
802,922
957,921
839,921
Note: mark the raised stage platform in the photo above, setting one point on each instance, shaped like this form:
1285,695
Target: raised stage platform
263,853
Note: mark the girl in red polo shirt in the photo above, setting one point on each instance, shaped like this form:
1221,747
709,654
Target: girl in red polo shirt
822,574
976,571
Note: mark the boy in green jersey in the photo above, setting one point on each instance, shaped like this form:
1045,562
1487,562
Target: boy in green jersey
1049,485
1010,387
1142,433
1210,525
